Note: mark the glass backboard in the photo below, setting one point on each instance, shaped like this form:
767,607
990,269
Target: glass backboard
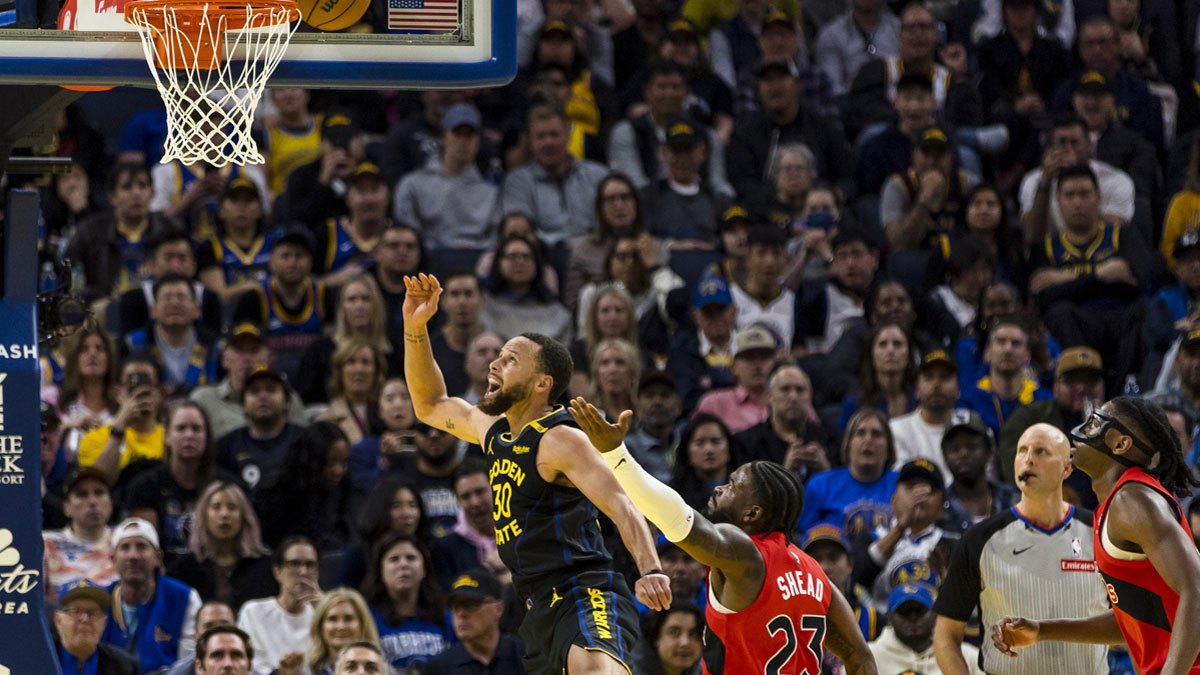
388,49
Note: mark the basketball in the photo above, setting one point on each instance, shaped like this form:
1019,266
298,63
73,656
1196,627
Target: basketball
331,15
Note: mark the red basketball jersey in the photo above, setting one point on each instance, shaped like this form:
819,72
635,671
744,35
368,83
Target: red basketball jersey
1144,604
783,631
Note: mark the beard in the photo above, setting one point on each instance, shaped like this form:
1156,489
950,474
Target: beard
717,514
501,401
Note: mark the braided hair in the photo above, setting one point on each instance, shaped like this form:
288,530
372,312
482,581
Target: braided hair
1150,422
781,494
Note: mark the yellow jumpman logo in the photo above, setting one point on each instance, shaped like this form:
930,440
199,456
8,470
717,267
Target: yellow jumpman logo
554,596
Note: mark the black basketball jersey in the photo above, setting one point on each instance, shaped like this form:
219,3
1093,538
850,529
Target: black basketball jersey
545,532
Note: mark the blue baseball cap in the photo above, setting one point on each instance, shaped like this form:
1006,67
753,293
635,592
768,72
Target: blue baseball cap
904,592
461,114
82,588
712,288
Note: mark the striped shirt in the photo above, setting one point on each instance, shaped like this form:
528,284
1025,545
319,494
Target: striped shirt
1009,566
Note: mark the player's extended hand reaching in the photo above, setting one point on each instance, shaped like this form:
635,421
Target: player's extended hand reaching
1010,633
421,298
604,436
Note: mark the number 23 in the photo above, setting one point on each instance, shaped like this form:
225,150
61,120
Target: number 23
783,624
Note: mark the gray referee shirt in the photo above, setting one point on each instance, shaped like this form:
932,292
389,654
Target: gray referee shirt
1009,566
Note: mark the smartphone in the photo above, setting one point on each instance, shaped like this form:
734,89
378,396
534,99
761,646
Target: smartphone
137,381
819,220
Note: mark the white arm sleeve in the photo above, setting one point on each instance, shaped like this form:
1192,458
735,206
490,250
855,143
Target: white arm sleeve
659,503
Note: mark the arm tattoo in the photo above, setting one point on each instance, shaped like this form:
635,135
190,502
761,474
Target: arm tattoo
837,643
708,537
449,424
414,339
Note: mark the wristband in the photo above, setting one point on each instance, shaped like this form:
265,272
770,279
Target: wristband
114,431
649,572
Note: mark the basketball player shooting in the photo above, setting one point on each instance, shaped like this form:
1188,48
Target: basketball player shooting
547,484
1144,550
771,609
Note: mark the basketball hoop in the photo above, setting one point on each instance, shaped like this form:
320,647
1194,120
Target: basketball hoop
211,62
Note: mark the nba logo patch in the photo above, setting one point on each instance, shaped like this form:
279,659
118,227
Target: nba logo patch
1076,548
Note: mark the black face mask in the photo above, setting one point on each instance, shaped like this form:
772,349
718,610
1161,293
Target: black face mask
1093,430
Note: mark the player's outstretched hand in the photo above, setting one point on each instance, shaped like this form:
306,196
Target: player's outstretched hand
421,298
604,436
654,591
1011,633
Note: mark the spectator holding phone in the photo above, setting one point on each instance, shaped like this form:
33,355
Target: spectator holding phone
811,245
279,626
135,432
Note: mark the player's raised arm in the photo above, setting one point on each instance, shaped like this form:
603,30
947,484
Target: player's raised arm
425,383
724,547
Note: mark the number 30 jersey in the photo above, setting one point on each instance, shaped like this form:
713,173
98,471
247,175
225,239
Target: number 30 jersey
545,533
783,631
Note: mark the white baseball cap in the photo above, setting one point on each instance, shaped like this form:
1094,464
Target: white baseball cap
134,527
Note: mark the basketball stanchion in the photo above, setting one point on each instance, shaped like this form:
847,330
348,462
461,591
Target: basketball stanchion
211,62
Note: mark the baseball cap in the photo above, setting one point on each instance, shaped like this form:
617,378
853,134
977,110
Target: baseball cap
462,115
712,289
241,184
475,584
965,418
1093,82
556,26
338,128
933,138
772,65
259,373
825,532
657,377
366,170
134,527
735,214
1079,358
300,236
49,415
778,18
82,588
681,28
682,134
1190,239
937,357
755,337
243,332
924,471
86,473
905,592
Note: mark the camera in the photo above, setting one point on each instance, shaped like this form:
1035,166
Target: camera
59,312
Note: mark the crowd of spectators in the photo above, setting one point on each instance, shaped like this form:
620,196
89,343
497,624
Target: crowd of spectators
873,243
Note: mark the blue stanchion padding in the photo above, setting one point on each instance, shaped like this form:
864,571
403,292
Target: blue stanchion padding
25,644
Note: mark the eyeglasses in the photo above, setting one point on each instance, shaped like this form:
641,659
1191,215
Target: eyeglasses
77,613
297,565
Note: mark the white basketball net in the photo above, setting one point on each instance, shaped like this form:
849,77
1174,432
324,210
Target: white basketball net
211,93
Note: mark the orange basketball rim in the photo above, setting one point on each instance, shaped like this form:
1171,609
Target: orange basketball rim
203,24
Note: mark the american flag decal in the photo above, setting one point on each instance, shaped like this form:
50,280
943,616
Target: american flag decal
432,15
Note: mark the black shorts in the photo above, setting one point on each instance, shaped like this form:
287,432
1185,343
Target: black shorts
594,610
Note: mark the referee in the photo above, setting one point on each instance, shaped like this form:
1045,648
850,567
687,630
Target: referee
1034,559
